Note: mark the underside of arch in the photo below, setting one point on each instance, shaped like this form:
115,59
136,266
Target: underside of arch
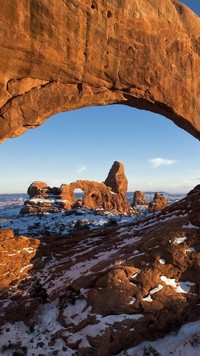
69,54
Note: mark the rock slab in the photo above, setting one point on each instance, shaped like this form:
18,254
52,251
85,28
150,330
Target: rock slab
64,55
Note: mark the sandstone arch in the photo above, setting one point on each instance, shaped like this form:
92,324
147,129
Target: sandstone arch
109,195
68,54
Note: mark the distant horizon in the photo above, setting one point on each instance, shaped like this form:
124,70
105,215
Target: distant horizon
129,191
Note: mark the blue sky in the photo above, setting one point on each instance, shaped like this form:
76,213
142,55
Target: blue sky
83,144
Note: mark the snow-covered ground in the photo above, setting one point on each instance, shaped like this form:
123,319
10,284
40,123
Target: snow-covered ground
58,223
186,342
18,337
61,223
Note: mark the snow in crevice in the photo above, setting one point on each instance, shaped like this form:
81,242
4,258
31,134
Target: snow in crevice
151,292
162,261
181,287
99,328
147,299
190,249
179,240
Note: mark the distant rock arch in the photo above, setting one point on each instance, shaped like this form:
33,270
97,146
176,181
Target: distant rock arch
77,53
109,195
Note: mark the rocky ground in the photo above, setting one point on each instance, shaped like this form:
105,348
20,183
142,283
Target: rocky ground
103,292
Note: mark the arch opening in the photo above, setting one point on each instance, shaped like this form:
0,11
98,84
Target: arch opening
156,154
79,195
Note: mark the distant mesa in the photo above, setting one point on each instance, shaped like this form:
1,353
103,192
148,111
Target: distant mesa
158,203
108,196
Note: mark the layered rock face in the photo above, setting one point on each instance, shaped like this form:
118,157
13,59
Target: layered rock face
63,55
98,293
16,254
158,203
109,196
139,198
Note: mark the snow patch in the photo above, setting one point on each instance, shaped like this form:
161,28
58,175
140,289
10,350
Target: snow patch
162,261
156,289
133,300
147,299
190,249
190,226
179,240
181,287
100,327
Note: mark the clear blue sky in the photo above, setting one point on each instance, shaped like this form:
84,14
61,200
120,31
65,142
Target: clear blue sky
83,144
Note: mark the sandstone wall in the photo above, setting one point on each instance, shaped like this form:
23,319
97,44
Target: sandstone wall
63,55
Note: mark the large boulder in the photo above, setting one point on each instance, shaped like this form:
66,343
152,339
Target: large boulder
16,253
38,189
158,203
139,198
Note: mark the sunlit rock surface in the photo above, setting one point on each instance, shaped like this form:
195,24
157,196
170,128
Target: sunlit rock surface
101,292
64,55
139,198
158,203
108,196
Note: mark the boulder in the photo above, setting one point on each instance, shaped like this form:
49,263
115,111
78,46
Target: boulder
16,253
194,213
139,198
158,203
38,189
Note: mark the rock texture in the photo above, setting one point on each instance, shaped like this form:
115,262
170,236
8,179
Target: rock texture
71,54
16,254
158,203
116,179
109,196
98,293
139,198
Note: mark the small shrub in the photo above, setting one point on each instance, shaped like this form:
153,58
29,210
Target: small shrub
112,222
150,351
34,226
70,296
38,291
82,224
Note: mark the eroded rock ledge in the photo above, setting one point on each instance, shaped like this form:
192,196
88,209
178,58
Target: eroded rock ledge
72,54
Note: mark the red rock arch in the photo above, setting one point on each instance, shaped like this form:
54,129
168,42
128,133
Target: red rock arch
63,55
